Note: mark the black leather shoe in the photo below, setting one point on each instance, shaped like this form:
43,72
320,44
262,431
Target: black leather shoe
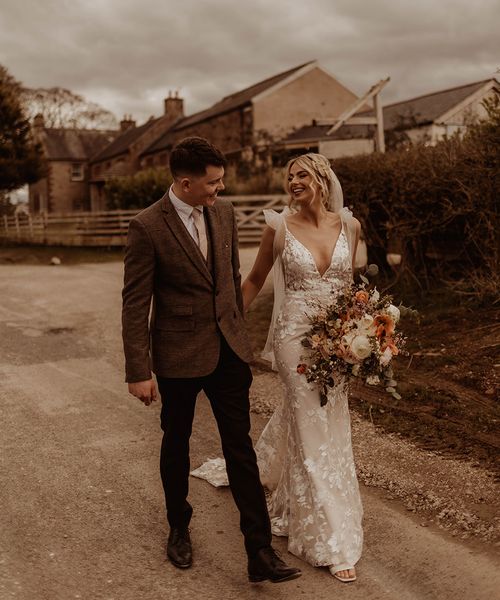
179,549
266,565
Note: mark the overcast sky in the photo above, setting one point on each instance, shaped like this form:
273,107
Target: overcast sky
127,54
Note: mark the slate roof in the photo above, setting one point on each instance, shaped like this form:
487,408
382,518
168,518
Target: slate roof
164,142
227,104
416,111
426,109
122,143
74,144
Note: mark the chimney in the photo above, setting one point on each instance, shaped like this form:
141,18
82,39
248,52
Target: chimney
127,123
38,121
173,107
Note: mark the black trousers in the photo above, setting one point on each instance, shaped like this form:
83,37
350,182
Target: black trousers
227,390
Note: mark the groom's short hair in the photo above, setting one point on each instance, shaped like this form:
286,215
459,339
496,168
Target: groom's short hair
192,156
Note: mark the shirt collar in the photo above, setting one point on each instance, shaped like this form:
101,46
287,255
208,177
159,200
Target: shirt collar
180,205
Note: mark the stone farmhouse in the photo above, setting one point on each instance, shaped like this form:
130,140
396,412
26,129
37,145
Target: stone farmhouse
283,111
246,120
243,125
66,186
123,155
428,118
432,117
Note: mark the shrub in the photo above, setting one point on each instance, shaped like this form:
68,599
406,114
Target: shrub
136,191
436,206
242,179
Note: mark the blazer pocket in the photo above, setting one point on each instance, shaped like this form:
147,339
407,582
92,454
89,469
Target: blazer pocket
179,323
180,310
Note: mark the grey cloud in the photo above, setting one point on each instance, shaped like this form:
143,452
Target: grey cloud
127,54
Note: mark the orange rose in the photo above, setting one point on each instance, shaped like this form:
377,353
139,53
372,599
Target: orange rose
389,343
384,324
362,296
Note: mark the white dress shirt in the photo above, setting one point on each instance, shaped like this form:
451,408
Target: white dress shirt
185,212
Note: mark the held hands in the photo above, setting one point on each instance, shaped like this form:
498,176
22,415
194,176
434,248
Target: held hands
144,390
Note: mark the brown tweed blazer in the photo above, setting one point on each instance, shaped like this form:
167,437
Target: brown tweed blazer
191,305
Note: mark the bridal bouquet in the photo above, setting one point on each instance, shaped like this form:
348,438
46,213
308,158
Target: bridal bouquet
353,336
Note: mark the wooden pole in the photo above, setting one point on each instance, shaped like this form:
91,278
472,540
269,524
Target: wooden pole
380,140
347,114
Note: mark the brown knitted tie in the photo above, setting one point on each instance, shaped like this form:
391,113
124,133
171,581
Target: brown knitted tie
199,223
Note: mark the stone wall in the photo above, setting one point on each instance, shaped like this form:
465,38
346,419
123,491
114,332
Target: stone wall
58,192
338,148
230,131
314,95
66,195
39,196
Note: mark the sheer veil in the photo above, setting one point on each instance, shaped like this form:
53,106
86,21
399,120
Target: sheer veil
336,198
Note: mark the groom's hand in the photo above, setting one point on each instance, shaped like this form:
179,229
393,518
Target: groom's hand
144,390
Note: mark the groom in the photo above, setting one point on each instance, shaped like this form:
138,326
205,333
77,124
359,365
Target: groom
182,253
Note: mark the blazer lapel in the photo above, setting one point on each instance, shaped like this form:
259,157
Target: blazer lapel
214,226
183,237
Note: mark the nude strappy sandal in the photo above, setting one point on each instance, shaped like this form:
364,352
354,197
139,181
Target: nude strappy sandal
335,573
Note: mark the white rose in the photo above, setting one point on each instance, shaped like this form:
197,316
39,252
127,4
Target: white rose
372,380
393,312
355,370
365,324
385,359
361,347
348,337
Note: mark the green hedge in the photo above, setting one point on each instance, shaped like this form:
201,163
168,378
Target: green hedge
137,191
436,206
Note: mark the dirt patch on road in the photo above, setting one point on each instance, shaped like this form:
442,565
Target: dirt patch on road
449,385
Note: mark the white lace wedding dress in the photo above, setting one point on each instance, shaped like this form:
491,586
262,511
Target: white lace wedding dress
304,453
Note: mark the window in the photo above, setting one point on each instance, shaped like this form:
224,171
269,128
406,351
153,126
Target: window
76,171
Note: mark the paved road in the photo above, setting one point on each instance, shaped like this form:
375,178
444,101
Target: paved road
82,512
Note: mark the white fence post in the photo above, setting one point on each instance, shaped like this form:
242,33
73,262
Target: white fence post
16,220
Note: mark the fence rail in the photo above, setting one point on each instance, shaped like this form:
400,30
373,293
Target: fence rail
109,228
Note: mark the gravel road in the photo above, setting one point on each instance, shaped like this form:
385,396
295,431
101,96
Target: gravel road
82,509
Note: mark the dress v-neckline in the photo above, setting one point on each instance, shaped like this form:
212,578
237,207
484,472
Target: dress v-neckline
311,254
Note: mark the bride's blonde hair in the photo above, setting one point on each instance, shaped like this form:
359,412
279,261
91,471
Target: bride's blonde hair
318,167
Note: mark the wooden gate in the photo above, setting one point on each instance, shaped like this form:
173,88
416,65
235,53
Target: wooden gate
109,228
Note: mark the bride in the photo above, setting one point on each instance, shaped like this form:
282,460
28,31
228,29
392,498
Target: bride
304,453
